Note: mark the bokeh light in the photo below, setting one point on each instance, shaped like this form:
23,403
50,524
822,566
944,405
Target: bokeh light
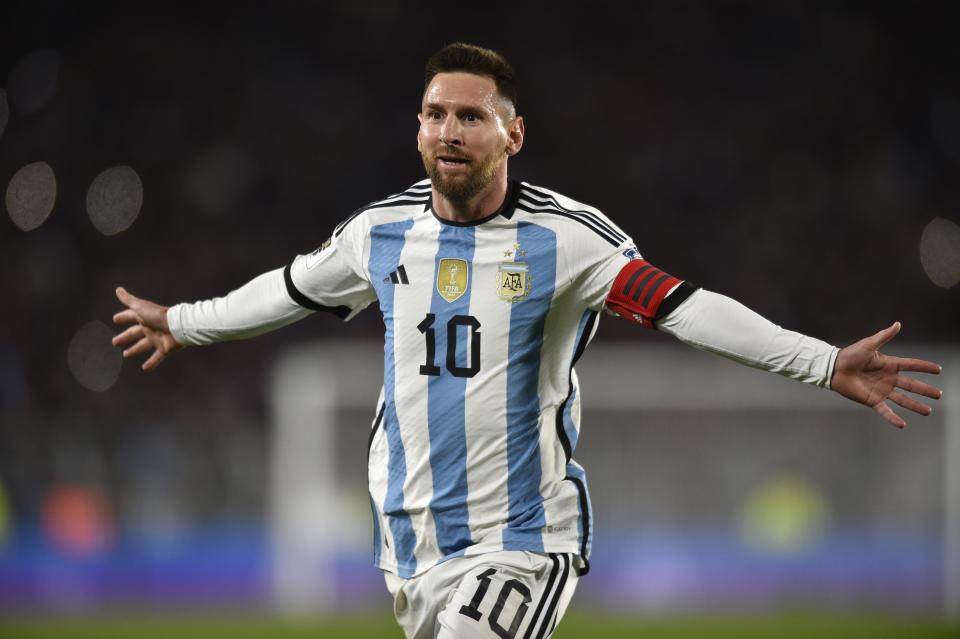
31,195
76,520
940,252
784,516
4,111
33,80
114,199
94,362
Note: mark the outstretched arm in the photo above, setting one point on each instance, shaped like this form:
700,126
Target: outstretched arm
721,325
149,330
262,304
865,375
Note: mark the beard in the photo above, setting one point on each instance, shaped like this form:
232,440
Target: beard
460,188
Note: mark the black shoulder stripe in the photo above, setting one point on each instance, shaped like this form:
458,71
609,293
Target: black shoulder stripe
340,311
609,227
405,202
414,193
585,215
673,300
416,189
586,223
342,225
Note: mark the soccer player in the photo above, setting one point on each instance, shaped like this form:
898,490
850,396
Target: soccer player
490,290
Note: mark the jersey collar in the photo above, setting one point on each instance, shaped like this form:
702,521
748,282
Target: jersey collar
506,209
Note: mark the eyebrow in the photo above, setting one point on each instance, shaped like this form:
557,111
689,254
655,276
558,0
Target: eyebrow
456,107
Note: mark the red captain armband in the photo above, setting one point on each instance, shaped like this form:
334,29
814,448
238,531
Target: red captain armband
639,290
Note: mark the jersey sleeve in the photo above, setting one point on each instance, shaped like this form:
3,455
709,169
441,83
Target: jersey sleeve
599,249
332,278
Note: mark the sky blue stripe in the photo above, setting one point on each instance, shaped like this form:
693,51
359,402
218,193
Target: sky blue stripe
446,400
527,317
575,470
386,242
568,425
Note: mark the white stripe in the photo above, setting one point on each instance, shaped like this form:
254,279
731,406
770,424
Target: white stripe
410,306
486,416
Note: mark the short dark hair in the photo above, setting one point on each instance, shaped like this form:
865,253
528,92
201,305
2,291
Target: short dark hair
470,58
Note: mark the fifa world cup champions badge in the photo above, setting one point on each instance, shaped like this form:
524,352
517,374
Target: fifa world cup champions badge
452,278
513,278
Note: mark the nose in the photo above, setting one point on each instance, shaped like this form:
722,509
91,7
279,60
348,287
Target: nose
451,133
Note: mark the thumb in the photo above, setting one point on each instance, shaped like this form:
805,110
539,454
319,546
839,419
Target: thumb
127,298
879,339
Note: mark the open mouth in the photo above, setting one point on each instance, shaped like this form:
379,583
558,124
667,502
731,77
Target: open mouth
448,160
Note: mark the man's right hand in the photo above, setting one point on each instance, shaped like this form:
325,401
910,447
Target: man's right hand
149,331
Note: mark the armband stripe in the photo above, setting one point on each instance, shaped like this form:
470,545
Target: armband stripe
643,283
634,277
340,311
653,288
638,291
675,299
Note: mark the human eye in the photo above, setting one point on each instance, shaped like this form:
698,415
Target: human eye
472,117
434,115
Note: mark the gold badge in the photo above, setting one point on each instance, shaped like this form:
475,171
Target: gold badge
452,278
513,281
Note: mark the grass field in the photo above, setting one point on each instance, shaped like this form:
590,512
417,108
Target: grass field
573,627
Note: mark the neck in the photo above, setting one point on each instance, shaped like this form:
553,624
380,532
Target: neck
477,207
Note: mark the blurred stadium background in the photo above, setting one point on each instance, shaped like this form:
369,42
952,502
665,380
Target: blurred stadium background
801,158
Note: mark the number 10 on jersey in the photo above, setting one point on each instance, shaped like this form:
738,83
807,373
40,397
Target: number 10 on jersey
458,325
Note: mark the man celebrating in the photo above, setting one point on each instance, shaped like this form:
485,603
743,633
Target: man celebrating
490,290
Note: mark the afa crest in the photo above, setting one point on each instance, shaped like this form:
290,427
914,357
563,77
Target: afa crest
513,281
453,278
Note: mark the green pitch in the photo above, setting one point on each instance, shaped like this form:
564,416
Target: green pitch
573,627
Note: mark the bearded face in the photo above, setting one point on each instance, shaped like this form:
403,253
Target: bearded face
463,139
457,176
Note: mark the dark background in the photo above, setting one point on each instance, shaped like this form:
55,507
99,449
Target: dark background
786,154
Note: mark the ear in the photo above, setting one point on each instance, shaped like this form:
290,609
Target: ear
515,136
420,120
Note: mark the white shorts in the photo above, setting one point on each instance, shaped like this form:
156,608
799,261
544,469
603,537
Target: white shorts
508,594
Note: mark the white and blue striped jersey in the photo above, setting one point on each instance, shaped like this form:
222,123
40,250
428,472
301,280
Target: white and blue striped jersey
471,448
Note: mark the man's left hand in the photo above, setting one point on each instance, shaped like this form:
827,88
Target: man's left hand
865,375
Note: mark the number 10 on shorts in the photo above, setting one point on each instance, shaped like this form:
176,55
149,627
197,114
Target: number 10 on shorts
472,609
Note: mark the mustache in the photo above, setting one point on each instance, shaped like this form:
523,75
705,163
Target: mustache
451,152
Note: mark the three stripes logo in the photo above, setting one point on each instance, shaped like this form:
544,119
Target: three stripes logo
639,290
399,276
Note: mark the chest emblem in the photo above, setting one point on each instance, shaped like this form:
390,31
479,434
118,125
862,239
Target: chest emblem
452,278
513,281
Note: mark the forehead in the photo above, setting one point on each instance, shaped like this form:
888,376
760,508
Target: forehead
461,89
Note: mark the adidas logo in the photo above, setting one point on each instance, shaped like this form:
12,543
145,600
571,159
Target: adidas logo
399,276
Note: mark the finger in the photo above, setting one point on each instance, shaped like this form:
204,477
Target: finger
889,415
153,361
918,387
909,403
127,298
130,335
918,365
127,316
879,339
139,348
